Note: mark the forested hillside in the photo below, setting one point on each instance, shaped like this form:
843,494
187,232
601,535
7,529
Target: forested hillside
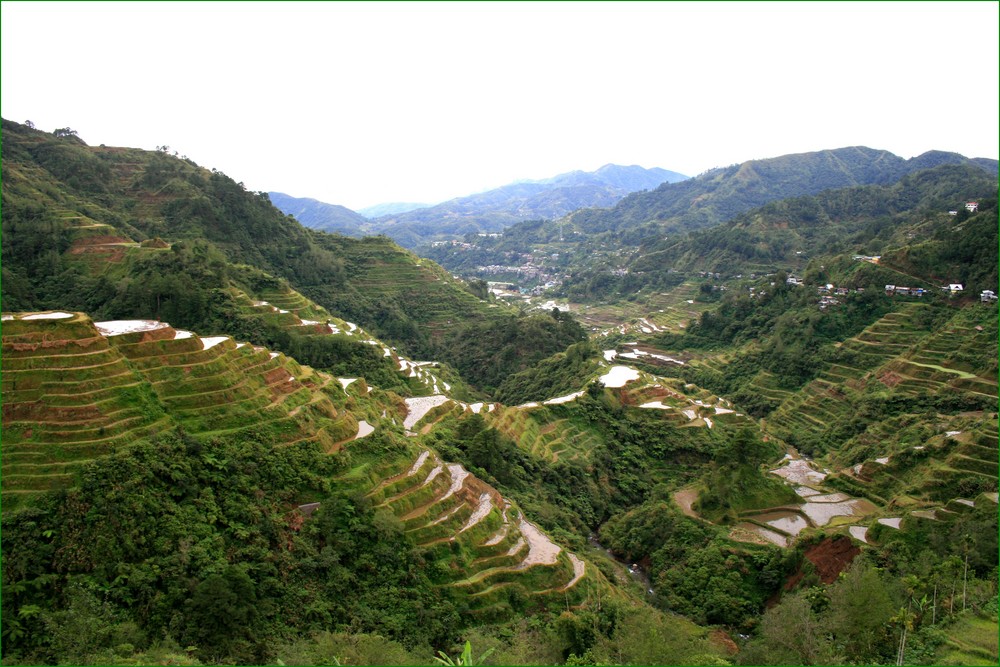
777,444
720,194
319,215
162,484
893,222
602,254
73,214
866,220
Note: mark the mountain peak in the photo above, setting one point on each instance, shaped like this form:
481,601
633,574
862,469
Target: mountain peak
493,210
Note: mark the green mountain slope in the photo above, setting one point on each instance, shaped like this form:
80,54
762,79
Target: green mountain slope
720,194
319,215
602,253
88,405
72,215
870,220
315,496
188,476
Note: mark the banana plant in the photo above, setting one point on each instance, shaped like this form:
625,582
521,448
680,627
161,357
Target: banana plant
465,659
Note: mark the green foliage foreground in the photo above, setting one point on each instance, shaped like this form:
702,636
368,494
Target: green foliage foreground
200,543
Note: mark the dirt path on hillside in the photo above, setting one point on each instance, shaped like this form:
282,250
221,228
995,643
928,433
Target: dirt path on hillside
685,500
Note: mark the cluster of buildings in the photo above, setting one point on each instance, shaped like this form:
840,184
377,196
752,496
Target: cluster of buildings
829,293
970,206
899,290
986,296
528,271
462,244
826,301
454,244
511,290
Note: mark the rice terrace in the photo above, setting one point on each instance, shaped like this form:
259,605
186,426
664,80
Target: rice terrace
605,414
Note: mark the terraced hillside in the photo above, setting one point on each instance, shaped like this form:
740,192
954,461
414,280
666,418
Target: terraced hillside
125,233
901,417
645,313
487,548
971,641
918,495
809,414
555,430
544,434
75,389
957,357
943,466
287,310
383,275
69,396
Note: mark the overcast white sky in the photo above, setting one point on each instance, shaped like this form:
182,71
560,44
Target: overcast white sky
359,104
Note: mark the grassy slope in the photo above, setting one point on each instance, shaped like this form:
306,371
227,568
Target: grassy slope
786,233
65,204
54,424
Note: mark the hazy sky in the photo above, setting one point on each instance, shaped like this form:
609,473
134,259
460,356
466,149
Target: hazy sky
358,104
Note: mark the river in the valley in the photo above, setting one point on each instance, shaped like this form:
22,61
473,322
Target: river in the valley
638,572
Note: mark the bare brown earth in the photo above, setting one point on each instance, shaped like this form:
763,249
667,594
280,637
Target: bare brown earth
162,333
101,248
830,557
96,240
47,344
890,379
721,639
36,411
685,499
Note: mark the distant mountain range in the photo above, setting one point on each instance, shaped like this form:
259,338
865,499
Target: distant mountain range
322,216
392,208
720,194
160,477
108,215
644,236
489,211
875,218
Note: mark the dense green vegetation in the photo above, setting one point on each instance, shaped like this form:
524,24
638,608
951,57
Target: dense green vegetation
557,375
489,353
148,546
636,451
148,554
901,602
779,330
867,219
221,235
757,217
697,571
622,491
170,500
736,482
802,234
720,194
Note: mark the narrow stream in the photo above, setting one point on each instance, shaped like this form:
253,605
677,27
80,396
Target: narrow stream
637,571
